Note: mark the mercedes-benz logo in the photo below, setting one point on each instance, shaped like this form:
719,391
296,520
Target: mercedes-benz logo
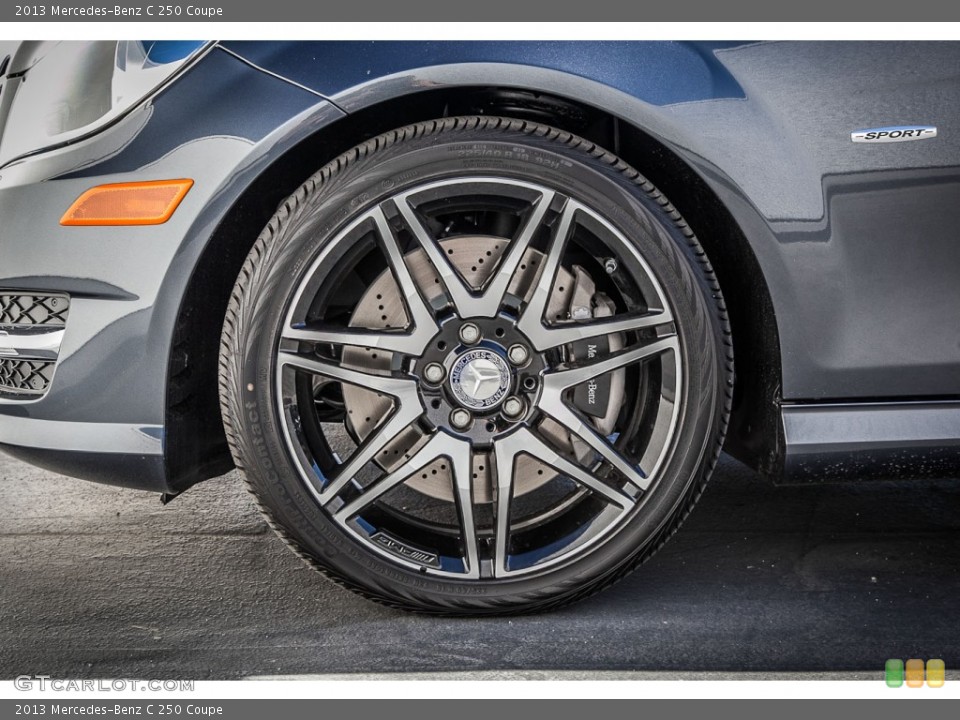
480,378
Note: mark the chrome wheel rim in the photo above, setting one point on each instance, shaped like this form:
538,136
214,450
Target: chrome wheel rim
482,369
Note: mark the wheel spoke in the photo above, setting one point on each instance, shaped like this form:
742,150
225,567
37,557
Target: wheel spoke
389,431
526,442
404,389
531,320
505,457
436,447
547,338
408,408
401,342
462,297
601,445
496,289
458,453
556,382
461,461
551,402
422,325
421,318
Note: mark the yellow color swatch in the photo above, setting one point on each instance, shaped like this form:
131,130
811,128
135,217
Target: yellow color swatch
935,673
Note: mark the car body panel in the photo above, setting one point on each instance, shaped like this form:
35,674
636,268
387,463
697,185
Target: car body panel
855,241
769,123
126,283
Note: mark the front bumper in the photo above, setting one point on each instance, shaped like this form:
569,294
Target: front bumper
87,396
93,363
90,384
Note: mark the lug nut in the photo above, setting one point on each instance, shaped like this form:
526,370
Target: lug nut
460,418
434,373
512,407
469,333
518,354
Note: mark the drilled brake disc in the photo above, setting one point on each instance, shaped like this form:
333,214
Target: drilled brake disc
382,306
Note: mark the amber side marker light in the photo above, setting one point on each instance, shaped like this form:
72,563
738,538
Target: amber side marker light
134,203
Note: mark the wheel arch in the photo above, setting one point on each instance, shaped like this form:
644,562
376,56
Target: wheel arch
195,440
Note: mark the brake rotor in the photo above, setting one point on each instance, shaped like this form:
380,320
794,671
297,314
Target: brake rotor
382,306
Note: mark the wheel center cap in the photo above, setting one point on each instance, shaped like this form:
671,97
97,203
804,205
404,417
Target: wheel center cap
480,379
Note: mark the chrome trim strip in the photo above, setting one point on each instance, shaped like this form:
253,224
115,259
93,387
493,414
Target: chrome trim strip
31,342
815,429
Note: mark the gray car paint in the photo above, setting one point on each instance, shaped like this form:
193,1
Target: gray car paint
822,212
126,282
855,242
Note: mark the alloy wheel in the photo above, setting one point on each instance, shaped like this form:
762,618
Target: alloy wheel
462,413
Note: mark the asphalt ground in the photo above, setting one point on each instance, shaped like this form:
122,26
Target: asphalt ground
98,581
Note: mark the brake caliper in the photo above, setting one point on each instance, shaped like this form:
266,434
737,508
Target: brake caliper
599,398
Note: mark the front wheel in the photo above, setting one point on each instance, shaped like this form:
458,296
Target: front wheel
474,366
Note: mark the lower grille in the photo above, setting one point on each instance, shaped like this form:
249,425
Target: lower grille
32,326
25,377
33,309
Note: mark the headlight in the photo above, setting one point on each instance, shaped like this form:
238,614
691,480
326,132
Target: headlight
59,92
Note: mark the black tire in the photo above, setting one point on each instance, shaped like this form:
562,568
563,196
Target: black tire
308,220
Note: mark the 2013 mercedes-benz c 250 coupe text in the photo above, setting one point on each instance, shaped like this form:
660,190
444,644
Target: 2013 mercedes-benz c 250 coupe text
475,320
